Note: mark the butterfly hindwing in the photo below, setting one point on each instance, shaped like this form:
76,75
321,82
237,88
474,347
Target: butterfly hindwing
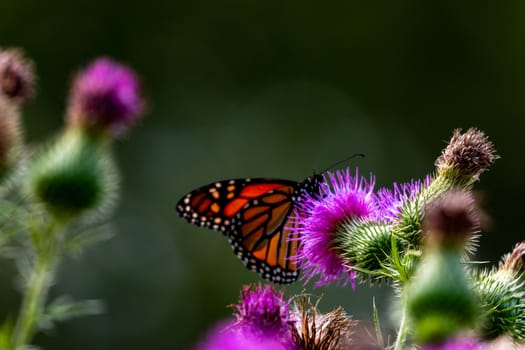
261,235
255,215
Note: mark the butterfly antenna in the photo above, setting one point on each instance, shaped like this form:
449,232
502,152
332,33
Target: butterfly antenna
355,155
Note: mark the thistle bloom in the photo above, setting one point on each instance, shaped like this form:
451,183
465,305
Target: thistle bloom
391,201
263,310
17,76
344,198
105,96
263,322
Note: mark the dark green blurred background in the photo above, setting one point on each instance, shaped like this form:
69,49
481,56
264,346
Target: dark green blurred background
264,88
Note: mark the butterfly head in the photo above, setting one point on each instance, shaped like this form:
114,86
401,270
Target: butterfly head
311,185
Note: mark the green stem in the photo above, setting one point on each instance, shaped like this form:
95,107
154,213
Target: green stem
33,303
37,288
402,331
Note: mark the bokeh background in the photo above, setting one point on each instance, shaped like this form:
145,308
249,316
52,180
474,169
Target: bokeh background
264,88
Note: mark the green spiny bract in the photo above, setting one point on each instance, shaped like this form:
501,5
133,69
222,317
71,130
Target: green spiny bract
502,302
74,175
368,246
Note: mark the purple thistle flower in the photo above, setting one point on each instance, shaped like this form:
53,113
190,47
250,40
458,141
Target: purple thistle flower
263,322
457,344
105,95
391,201
263,311
229,337
343,199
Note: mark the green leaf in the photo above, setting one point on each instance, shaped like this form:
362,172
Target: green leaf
377,326
86,237
65,308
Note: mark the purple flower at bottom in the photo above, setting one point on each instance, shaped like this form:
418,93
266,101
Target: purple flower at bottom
343,199
263,311
105,95
391,200
229,337
263,322
456,344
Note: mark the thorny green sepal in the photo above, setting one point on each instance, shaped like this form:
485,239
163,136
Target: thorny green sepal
367,245
501,293
74,175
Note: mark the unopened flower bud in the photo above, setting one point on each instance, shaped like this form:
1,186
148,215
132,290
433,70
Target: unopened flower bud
451,219
17,76
466,156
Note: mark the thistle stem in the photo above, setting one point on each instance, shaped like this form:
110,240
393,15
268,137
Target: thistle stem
402,331
37,289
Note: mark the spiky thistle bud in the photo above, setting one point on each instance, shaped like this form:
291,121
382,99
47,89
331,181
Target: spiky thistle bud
317,331
105,97
17,76
73,175
451,219
466,157
515,260
371,244
502,295
460,164
440,298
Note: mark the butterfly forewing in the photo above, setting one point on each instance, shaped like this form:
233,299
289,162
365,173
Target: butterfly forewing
214,205
255,215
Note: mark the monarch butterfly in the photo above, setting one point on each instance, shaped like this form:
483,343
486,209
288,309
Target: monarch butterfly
255,216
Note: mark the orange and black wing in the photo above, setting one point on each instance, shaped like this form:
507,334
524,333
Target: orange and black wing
254,215
262,235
